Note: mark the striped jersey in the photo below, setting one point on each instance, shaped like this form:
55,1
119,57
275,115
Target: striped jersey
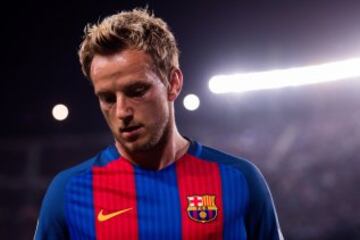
206,194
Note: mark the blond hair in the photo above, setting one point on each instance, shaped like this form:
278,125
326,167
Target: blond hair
137,29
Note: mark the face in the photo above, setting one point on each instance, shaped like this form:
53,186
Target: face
133,99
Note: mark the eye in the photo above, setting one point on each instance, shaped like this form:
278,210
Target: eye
107,98
137,90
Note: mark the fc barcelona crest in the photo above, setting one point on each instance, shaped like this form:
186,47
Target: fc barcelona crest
202,208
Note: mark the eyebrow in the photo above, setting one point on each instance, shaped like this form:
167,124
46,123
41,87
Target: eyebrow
127,87
138,82
135,85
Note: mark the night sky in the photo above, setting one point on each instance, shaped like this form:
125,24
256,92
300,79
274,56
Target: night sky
40,40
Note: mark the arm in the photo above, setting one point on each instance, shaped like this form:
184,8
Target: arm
261,219
51,222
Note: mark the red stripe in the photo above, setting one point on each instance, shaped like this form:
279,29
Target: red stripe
198,177
114,190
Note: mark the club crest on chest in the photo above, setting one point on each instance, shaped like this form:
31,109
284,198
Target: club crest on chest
202,208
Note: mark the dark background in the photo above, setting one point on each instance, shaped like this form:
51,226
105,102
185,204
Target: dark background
306,140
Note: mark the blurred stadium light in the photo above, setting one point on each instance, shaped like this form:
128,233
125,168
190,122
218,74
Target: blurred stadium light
191,102
60,112
285,77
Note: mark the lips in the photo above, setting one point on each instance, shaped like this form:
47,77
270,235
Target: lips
129,129
131,133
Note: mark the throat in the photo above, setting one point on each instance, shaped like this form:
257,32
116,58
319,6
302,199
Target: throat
159,158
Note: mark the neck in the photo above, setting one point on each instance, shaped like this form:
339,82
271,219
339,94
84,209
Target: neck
170,149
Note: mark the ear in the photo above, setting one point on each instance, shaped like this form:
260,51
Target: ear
175,84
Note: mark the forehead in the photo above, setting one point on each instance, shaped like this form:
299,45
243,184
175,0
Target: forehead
122,63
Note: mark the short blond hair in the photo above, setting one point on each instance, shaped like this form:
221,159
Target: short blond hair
136,29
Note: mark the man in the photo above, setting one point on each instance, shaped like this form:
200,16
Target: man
152,183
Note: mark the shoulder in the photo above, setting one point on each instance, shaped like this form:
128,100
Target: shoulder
51,220
101,158
58,184
54,195
61,179
261,218
253,179
234,168
227,160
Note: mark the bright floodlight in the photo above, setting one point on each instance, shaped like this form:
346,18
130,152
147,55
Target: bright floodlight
285,77
60,112
191,102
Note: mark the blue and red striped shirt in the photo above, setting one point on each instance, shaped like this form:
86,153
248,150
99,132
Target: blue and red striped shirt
206,194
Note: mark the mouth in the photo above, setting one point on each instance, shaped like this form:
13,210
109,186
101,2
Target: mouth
129,129
131,133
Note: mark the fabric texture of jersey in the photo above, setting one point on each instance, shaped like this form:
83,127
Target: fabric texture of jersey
206,194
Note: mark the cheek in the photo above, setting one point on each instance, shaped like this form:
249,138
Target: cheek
153,104
153,110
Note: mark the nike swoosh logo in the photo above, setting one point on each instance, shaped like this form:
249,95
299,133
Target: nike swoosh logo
104,217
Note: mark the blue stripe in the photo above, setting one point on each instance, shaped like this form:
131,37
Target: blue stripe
235,192
195,149
158,191
108,155
80,207
234,196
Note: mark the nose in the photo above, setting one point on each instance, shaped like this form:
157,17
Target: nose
123,109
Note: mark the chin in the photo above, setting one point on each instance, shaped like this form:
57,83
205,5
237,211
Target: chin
138,145
144,142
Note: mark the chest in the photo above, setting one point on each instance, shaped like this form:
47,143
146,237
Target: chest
185,201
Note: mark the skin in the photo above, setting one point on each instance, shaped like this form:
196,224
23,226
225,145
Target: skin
139,108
